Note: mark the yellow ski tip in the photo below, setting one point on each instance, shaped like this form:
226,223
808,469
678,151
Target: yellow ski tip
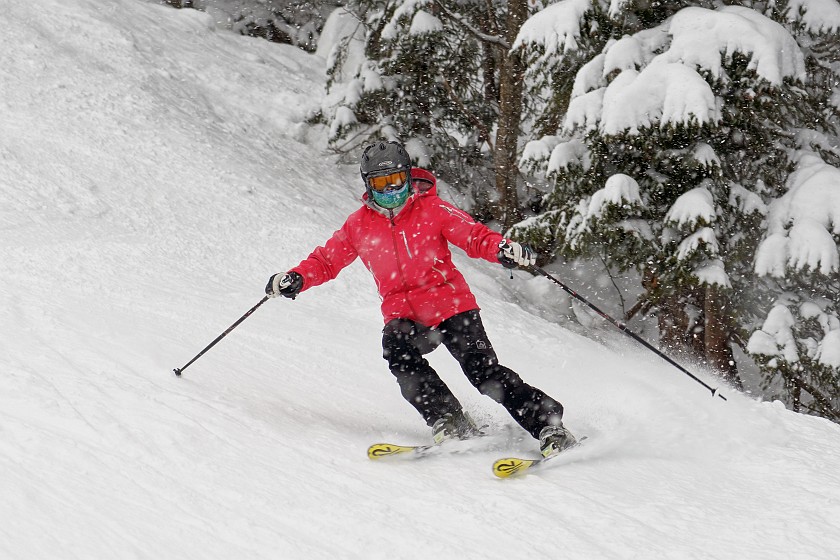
510,466
380,450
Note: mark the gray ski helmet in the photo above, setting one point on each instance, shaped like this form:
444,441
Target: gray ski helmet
383,158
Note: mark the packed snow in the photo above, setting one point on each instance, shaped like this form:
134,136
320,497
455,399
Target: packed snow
154,171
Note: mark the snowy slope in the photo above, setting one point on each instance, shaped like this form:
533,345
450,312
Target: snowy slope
153,174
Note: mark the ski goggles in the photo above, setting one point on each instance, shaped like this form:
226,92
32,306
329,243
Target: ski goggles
393,180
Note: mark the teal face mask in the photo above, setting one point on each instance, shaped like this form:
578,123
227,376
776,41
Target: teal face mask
392,198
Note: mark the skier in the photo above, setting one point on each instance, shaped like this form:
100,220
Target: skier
402,234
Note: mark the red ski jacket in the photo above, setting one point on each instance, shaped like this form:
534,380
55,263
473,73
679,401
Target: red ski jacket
408,254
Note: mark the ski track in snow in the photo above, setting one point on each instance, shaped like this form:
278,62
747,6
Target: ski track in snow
154,173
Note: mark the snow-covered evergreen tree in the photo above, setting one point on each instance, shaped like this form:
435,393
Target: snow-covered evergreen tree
432,76
687,141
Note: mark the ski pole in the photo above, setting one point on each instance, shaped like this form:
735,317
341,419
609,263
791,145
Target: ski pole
623,328
221,336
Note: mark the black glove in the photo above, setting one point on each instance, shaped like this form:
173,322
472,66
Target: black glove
512,254
286,284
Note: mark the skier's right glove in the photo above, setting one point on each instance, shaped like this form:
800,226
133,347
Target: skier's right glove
286,284
513,254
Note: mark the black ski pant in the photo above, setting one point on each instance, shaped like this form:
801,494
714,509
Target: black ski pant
404,342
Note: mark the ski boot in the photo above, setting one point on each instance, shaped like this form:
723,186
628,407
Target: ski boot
457,425
554,439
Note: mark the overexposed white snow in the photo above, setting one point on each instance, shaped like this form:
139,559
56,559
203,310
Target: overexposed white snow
154,172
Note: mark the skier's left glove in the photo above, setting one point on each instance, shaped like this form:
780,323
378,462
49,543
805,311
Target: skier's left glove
286,284
512,254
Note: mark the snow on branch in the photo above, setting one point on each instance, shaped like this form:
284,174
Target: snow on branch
701,36
668,93
705,155
817,16
555,30
803,223
828,353
694,207
405,10
423,22
812,247
617,7
702,238
713,273
746,201
776,336
585,110
590,76
629,87
538,150
619,190
568,154
626,53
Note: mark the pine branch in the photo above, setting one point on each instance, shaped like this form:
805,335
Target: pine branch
481,36
484,134
491,17
612,280
350,143
825,406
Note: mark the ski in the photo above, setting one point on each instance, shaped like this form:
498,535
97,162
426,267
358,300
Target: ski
512,466
515,466
379,451
382,450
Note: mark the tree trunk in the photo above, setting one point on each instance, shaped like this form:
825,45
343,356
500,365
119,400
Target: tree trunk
716,335
673,326
511,77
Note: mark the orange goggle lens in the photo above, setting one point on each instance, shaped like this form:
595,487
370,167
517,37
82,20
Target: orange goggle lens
393,180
